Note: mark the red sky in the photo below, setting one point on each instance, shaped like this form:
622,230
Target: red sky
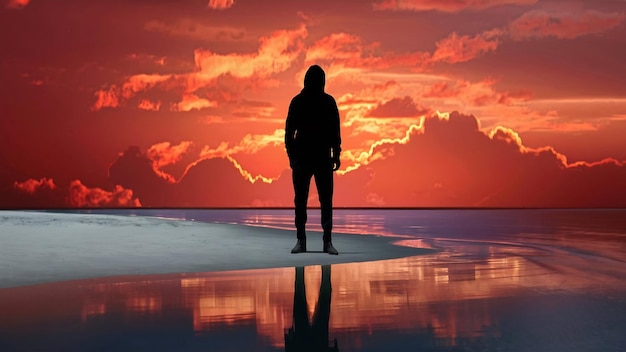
443,103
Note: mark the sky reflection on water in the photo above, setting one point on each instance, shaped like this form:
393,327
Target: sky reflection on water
551,282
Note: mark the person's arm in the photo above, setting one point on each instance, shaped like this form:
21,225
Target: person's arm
290,131
336,137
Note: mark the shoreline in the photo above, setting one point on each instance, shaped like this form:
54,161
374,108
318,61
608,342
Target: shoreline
43,247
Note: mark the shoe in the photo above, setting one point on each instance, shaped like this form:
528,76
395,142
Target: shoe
300,247
328,248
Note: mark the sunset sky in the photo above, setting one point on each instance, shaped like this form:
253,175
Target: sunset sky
452,103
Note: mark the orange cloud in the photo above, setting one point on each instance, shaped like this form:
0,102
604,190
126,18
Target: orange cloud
148,105
148,59
338,46
141,82
211,119
253,109
398,107
221,4
17,4
445,5
106,98
456,48
276,53
192,102
351,102
249,144
83,197
164,154
31,185
188,28
113,96
444,90
380,149
347,55
565,25
247,175
480,93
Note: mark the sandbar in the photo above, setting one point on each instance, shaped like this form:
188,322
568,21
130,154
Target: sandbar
39,247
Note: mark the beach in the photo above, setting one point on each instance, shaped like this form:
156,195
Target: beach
39,247
101,282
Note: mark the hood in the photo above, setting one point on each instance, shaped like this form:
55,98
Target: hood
315,79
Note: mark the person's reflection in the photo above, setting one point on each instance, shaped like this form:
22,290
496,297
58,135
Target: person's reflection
305,335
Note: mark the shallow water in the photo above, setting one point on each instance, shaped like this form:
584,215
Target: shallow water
502,280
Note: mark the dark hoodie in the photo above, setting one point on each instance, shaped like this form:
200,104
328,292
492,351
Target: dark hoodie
312,129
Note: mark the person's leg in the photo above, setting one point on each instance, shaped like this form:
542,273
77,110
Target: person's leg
324,183
301,176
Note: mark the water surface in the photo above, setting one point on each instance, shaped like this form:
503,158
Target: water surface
514,280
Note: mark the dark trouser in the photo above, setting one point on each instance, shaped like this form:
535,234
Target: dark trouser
301,176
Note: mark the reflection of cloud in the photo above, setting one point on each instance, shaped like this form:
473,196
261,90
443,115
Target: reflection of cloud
31,185
445,5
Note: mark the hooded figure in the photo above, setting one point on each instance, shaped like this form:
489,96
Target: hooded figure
313,144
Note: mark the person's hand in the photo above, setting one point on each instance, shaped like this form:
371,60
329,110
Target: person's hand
336,164
292,163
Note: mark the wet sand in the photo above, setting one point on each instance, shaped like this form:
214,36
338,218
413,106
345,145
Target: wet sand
40,247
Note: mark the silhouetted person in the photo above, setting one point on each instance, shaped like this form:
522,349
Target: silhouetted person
313,143
304,336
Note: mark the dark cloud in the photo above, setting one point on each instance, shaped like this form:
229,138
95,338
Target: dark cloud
452,163
449,163
398,107
212,182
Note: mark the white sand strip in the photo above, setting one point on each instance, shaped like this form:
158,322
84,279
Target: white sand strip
37,247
